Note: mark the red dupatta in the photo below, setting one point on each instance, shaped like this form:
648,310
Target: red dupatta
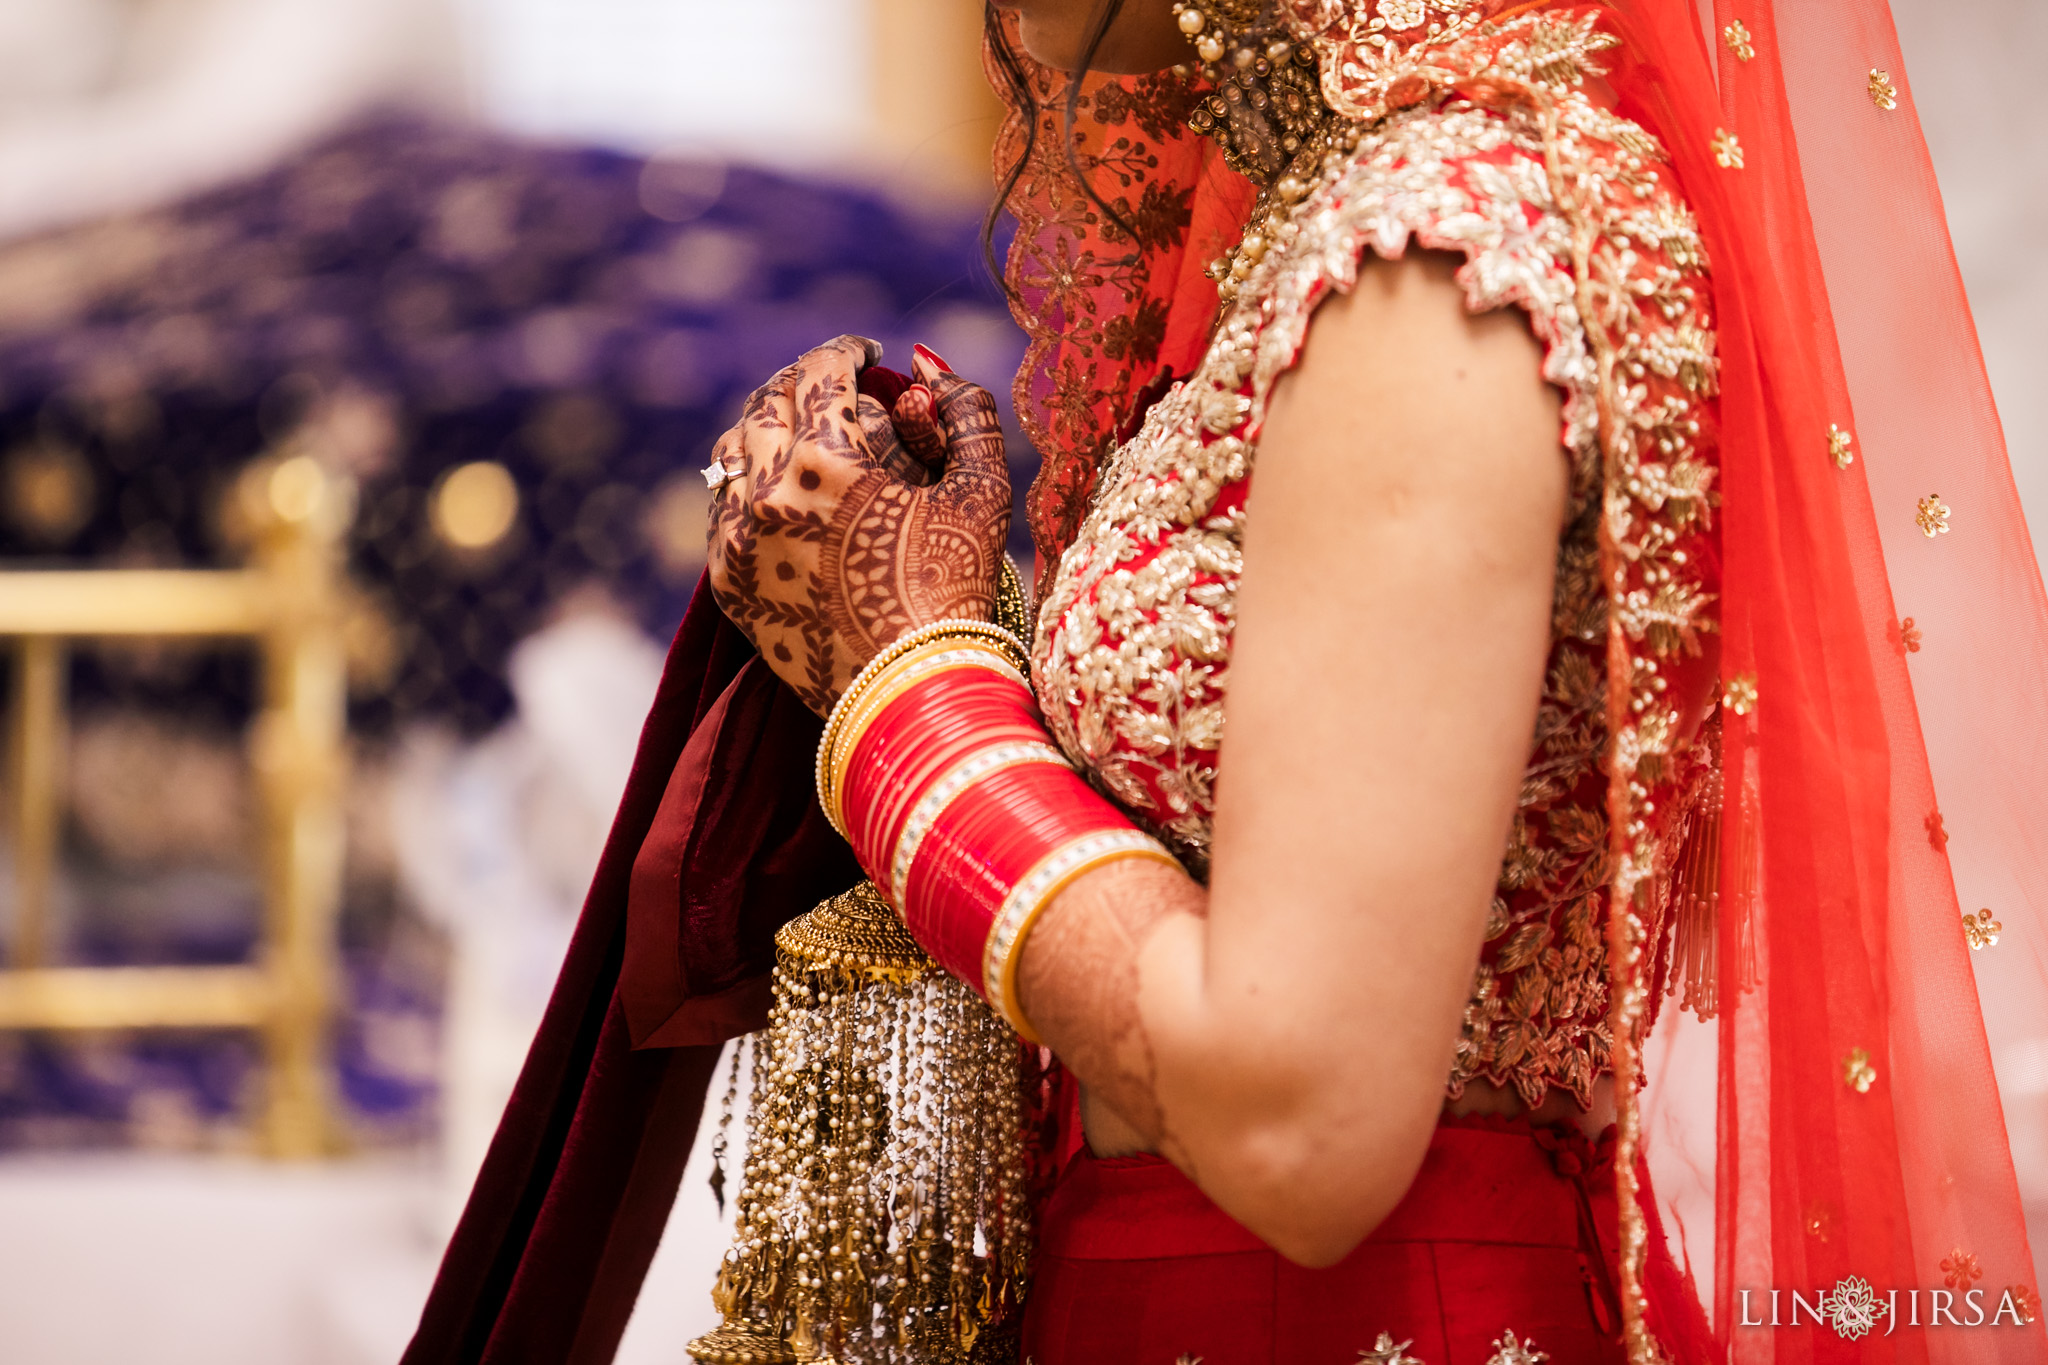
1839,1121
1888,762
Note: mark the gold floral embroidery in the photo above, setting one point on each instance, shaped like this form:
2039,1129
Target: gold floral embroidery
1839,447
1508,1350
2026,1303
1909,636
1135,630
1736,35
1727,150
1932,518
1655,365
1402,15
1857,1072
1386,1352
1981,930
1883,93
1739,695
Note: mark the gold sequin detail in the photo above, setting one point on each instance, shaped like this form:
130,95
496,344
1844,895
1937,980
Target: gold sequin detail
1727,150
1386,1352
1932,518
1839,447
1981,930
1739,694
1857,1072
2025,1302
1909,636
1736,35
1510,1350
1883,93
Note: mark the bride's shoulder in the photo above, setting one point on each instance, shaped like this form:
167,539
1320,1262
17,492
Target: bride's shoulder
1537,209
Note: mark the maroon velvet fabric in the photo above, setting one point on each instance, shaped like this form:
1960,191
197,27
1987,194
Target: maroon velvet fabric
718,842
738,827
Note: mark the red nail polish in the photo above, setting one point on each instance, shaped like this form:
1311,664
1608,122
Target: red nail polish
932,358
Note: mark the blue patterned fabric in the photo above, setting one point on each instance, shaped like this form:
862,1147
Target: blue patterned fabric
409,298
502,301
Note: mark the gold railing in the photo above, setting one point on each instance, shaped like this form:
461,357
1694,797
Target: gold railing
289,602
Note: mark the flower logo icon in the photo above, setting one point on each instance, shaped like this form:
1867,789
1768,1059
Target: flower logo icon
1853,1307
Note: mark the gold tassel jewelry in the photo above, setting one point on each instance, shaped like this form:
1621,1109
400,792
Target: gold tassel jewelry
1701,899
883,1208
883,1213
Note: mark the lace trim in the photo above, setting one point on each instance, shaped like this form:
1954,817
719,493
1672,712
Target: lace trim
1093,302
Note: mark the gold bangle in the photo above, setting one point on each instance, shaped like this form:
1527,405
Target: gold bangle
1012,622
875,667
1013,603
1034,892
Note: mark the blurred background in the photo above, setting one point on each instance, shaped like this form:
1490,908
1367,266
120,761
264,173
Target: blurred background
421,316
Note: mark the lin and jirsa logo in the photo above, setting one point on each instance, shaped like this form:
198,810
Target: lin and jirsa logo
1854,1309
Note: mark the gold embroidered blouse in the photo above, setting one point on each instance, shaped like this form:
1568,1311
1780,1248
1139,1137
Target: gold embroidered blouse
1132,658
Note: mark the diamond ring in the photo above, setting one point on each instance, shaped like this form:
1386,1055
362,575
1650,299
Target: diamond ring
717,475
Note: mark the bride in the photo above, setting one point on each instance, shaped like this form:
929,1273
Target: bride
1465,666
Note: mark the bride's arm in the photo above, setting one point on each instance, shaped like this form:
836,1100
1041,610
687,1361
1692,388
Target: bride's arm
1284,1037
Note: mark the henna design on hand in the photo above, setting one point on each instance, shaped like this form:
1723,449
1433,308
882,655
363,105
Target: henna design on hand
904,556
890,444
1078,983
916,420
835,537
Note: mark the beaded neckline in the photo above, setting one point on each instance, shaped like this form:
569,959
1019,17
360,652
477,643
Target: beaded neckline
1265,112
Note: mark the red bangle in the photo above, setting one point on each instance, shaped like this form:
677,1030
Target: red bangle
956,802
929,731
907,838
877,828
882,682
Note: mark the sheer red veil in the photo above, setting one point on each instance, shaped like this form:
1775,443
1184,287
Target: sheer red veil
1837,1116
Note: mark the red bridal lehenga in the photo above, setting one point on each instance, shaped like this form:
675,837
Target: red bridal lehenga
1795,704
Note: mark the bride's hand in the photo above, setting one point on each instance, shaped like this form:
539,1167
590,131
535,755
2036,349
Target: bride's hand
822,550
